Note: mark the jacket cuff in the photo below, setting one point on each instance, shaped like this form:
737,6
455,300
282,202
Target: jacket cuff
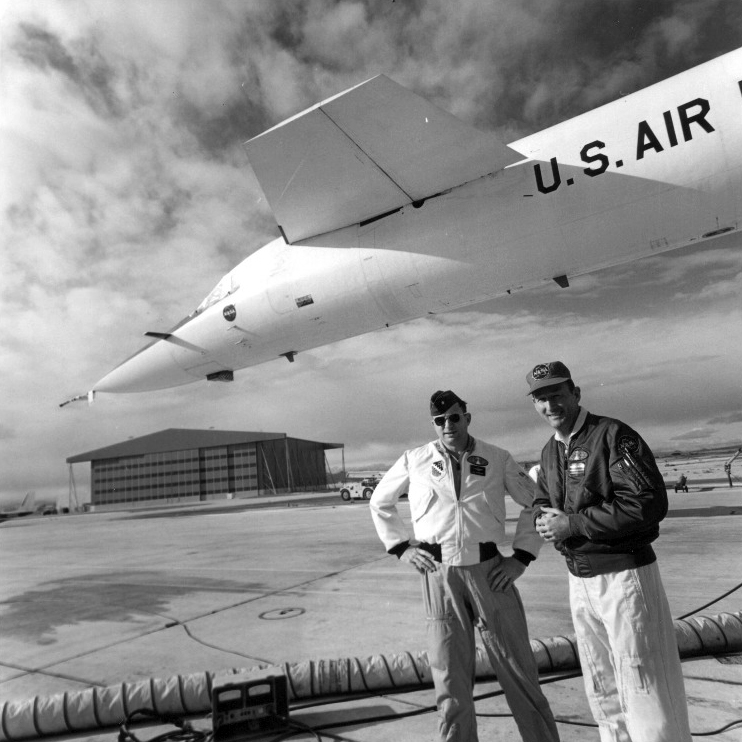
574,525
524,557
399,549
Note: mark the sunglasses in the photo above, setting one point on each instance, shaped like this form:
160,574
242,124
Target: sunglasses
440,421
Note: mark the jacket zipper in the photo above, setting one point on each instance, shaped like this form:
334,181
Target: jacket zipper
457,500
565,459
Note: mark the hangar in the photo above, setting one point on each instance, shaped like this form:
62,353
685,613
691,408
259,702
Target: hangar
186,466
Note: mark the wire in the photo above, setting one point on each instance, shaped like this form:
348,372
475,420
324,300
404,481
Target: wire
480,697
299,727
715,600
185,731
731,724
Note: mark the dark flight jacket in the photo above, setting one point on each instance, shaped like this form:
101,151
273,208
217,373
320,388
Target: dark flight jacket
609,485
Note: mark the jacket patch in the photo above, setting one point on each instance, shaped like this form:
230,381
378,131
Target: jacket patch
478,461
480,471
577,462
437,469
628,444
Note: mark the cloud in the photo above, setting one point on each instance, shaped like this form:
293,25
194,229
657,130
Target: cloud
126,196
727,419
693,435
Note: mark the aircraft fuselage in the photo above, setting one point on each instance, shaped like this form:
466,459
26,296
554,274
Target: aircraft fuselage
655,171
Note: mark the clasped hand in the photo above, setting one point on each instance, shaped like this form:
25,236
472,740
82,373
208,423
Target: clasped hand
552,525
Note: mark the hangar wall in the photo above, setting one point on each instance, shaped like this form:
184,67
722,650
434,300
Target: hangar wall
187,466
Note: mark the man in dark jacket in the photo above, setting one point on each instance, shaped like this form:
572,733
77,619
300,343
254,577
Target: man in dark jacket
600,499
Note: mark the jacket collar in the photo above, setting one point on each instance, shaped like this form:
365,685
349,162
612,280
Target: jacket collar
470,444
576,429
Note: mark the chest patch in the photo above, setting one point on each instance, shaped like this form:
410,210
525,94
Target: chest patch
479,471
478,461
437,469
577,462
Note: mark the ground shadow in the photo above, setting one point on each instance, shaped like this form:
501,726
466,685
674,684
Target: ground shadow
115,596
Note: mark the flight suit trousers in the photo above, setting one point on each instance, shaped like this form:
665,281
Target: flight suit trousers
629,656
457,598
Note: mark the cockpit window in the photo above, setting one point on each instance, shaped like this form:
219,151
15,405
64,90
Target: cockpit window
228,285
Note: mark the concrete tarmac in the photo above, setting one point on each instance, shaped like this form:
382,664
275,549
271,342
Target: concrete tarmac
103,598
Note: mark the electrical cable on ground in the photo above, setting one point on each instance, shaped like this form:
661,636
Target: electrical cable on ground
302,728
186,696
429,709
715,600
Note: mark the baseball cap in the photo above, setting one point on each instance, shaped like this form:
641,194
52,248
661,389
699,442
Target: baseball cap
547,374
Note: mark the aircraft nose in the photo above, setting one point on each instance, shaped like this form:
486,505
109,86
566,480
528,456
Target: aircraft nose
150,369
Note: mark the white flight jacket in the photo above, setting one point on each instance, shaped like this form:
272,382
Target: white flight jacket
488,473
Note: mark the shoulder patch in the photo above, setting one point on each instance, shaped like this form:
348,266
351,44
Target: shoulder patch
628,444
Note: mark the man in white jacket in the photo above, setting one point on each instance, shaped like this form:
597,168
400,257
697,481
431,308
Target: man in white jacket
456,487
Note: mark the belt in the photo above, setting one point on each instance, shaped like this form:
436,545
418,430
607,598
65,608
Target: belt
487,550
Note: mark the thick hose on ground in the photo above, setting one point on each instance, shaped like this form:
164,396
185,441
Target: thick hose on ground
96,708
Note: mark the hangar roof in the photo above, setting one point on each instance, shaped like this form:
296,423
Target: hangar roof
181,439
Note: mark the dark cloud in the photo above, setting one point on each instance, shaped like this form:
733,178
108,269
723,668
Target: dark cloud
84,65
286,26
584,54
222,129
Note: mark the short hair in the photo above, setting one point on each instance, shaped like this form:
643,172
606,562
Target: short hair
570,385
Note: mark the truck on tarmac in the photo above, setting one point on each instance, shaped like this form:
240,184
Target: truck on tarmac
359,490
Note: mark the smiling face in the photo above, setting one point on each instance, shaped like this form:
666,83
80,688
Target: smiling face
559,405
454,432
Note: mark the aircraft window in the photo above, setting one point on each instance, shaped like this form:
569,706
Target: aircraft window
224,288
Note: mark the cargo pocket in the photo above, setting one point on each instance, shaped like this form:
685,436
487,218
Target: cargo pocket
439,619
634,675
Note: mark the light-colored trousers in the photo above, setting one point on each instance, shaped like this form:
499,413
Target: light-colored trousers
629,656
457,598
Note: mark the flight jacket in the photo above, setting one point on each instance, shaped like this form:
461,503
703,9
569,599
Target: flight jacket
458,525
607,481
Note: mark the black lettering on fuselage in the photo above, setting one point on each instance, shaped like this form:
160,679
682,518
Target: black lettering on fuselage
557,178
670,126
602,159
699,118
646,139
682,119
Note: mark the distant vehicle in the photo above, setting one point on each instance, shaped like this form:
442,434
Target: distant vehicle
363,489
25,508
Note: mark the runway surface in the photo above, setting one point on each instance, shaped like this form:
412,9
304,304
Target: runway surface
103,598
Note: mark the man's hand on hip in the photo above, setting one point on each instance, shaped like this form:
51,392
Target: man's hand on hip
505,573
419,559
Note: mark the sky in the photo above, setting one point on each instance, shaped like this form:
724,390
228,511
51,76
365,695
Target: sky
126,194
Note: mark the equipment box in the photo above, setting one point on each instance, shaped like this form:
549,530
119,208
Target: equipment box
242,709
